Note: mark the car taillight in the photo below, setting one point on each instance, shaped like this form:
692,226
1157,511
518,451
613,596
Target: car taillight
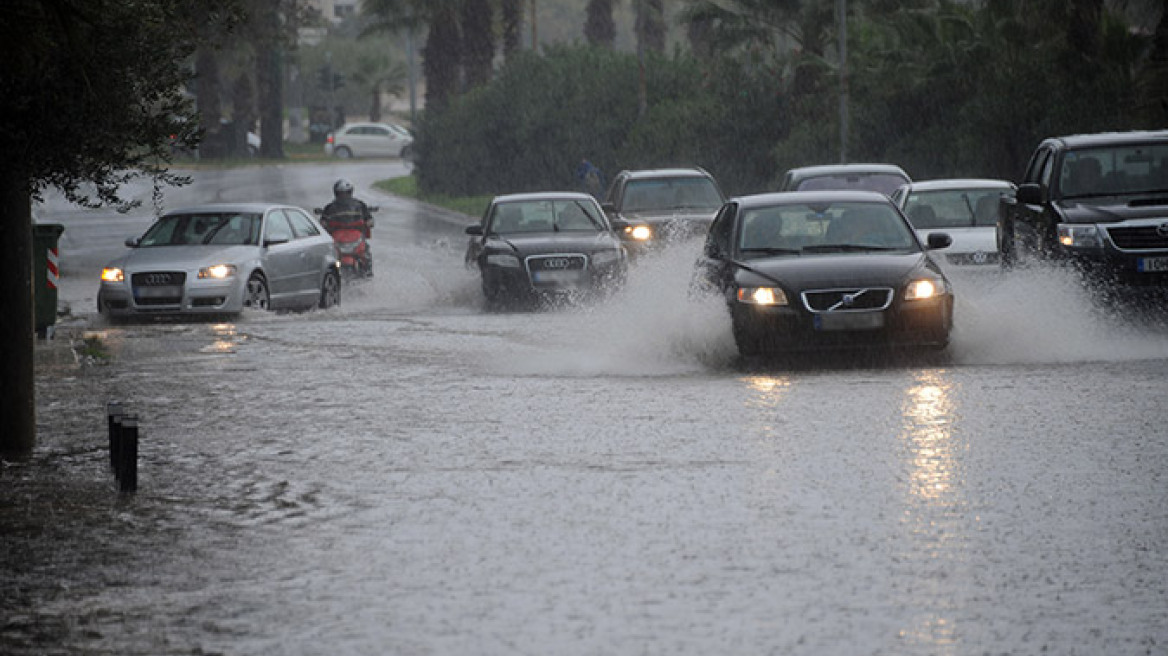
329,138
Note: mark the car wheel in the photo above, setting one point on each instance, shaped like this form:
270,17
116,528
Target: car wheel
1007,248
343,152
256,295
407,153
330,290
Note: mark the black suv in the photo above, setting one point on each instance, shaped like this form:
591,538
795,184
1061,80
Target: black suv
1097,200
652,207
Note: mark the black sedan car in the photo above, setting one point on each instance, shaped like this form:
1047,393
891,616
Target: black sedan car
547,244
826,270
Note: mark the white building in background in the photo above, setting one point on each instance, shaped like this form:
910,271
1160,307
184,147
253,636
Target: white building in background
335,10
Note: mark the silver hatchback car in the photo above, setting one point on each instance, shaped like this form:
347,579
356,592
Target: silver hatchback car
222,259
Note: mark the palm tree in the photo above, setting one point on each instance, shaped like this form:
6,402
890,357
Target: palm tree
377,74
441,56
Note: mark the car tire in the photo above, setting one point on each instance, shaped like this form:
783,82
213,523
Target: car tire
407,153
330,290
256,296
343,152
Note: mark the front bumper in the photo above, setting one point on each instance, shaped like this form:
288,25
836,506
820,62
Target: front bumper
532,281
777,329
122,299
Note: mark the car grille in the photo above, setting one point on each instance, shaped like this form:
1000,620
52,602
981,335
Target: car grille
843,300
978,258
557,269
158,287
1140,237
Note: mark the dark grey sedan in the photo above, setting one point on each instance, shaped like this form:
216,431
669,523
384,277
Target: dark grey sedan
548,244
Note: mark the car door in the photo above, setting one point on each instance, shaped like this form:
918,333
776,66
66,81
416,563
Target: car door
281,258
315,252
714,270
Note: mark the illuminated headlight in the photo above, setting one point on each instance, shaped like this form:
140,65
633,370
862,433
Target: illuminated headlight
1079,236
605,258
502,260
217,272
919,290
640,233
112,274
762,296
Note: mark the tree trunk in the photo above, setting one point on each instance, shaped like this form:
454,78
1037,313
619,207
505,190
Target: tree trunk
207,101
599,27
270,80
512,24
17,347
440,59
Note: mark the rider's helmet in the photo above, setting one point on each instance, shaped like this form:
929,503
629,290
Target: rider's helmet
343,189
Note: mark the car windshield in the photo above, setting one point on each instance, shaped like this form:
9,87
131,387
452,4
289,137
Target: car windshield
885,183
686,193
221,229
561,215
954,208
799,228
1114,170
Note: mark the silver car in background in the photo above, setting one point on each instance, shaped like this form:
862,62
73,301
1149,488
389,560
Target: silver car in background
966,209
222,259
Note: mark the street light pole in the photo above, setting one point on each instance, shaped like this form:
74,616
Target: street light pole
842,23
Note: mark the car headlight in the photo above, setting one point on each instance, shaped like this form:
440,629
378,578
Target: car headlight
217,272
502,260
1079,236
923,288
640,233
605,258
112,274
762,296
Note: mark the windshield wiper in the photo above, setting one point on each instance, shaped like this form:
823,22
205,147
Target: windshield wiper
827,248
771,250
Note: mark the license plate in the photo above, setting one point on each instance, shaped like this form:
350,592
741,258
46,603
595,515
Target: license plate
555,276
849,321
157,292
1152,264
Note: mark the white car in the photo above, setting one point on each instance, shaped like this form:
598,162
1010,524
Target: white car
222,259
966,209
369,140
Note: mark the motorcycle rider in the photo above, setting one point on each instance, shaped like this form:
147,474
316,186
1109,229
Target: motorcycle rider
347,210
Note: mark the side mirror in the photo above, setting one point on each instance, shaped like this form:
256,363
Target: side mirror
1029,194
608,207
374,208
131,242
619,225
475,230
317,211
939,240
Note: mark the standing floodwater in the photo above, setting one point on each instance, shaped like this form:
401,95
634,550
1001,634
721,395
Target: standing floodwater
409,474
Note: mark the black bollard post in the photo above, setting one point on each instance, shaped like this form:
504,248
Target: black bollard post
128,453
113,411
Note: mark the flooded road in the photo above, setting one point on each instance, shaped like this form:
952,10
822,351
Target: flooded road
408,474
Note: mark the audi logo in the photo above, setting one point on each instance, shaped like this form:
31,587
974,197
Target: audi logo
557,263
979,257
1162,230
158,279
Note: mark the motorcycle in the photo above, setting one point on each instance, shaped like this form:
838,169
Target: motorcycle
352,239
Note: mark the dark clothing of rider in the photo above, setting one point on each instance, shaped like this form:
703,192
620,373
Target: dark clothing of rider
346,210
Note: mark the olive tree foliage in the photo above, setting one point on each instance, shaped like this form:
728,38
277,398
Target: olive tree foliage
92,93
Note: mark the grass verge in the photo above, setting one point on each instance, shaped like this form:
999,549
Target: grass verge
407,187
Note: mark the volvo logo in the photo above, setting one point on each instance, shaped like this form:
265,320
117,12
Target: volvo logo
158,279
1162,229
557,263
850,299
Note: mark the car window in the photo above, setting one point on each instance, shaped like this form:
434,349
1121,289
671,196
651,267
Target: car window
567,215
202,228
720,231
1034,168
885,183
302,226
956,208
378,132
671,193
801,228
278,227
1111,170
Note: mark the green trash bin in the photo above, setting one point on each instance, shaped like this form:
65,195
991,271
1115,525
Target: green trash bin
46,274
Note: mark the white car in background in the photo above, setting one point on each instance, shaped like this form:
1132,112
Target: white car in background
369,140
966,209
